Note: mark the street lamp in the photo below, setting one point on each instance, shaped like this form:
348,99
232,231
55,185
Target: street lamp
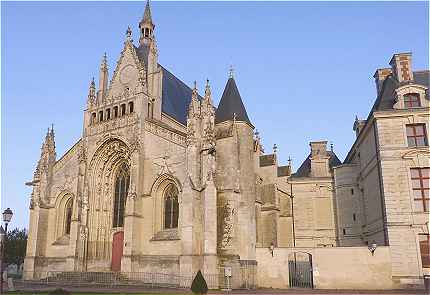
7,217
272,248
372,247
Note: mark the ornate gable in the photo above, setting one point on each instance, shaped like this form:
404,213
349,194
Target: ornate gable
129,76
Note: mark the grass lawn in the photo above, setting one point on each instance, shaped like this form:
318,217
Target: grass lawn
97,293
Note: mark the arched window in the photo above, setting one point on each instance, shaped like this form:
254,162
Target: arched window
123,109
93,118
171,207
130,107
115,112
68,216
122,181
100,116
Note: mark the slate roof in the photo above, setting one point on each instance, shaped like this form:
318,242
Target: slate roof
305,169
176,97
231,103
385,101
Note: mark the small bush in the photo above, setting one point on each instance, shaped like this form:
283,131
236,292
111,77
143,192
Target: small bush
199,285
59,291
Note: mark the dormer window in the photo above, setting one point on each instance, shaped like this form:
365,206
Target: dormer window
412,100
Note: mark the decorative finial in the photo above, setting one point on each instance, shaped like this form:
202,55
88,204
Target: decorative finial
257,134
231,72
331,146
104,65
195,84
290,164
128,34
234,117
207,89
275,148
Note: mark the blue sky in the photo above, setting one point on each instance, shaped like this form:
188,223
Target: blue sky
304,69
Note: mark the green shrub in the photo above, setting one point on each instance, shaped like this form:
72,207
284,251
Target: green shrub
199,285
59,291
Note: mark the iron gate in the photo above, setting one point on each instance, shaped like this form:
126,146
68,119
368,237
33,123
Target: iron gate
300,270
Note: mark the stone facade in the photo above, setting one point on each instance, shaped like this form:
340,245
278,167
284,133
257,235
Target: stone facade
377,198
162,181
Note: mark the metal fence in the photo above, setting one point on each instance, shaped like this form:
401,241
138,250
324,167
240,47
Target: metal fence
241,278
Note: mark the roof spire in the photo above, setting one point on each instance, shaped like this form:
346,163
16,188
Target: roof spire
146,26
147,14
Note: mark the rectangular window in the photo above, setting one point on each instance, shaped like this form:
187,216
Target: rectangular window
425,249
412,100
420,186
416,134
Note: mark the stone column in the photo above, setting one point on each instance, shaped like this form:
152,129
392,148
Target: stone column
130,218
209,204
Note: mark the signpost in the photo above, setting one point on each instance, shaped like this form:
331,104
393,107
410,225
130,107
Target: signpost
227,274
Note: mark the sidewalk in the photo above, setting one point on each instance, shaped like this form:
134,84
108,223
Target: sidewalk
34,287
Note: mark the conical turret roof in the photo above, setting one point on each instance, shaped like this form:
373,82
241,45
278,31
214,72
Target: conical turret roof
231,105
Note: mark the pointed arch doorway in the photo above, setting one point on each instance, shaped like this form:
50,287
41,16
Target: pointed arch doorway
122,182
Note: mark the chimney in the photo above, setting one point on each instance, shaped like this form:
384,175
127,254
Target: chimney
401,65
380,76
319,159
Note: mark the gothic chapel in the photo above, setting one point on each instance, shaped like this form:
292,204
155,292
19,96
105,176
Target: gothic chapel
161,180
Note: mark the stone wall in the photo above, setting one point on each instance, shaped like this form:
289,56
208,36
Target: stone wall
352,268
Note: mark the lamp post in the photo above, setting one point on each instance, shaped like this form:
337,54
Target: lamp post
7,216
292,200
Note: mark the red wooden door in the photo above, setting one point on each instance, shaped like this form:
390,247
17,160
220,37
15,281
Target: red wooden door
117,247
